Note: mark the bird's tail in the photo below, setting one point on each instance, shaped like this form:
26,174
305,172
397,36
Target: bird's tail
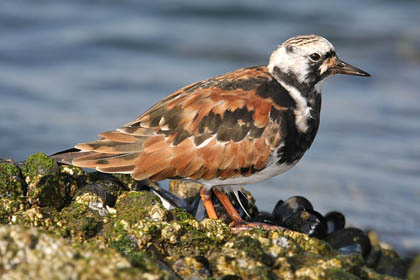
67,156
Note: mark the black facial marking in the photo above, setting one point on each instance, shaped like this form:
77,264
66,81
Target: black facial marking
329,54
313,75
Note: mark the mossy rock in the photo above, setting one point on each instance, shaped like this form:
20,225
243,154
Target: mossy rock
36,255
52,191
414,271
179,239
134,206
78,222
12,184
38,165
73,171
11,207
116,233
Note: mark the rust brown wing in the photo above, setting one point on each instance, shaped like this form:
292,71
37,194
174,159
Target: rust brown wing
217,128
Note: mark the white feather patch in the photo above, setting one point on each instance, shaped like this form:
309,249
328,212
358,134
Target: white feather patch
205,142
302,111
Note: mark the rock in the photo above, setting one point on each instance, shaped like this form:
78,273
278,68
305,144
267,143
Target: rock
391,264
52,191
184,189
192,268
12,183
30,254
98,227
73,171
414,270
78,221
37,166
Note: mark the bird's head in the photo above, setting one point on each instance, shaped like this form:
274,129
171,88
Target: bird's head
308,59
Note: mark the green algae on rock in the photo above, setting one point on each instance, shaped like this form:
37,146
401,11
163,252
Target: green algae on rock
119,233
414,270
31,254
38,165
12,184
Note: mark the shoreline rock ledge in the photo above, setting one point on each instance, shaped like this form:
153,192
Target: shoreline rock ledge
60,222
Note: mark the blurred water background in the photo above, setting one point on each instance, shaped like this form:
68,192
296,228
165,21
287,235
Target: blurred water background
72,69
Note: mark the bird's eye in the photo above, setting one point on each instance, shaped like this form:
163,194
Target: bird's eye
315,56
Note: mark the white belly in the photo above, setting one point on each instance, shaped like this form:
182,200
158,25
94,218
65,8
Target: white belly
270,171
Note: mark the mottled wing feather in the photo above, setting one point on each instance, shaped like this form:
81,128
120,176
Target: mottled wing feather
216,128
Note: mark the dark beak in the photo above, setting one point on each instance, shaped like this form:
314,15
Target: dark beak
342,67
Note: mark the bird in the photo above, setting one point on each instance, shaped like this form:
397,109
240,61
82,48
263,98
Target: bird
223,132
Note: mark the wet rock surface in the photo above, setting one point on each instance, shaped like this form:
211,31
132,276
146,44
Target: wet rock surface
59,222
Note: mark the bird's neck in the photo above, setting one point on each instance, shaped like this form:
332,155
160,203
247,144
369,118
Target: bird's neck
290,79
307,99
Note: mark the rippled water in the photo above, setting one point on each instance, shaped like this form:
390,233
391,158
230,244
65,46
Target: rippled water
72,69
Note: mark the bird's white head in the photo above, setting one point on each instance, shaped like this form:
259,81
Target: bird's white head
307,60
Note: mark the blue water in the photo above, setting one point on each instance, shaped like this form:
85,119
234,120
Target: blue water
72,69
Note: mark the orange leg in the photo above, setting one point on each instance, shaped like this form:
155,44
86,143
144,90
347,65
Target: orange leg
206,198
228,206
238,225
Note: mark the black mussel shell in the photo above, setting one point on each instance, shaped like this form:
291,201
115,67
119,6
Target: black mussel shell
264,217
350,240
283,210
335,221
307,221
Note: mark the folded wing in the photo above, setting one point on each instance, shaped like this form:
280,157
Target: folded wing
217,128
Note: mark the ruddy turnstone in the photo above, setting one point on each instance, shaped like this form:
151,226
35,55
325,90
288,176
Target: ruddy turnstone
238,128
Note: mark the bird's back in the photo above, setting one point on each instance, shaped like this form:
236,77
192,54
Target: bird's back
234,125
